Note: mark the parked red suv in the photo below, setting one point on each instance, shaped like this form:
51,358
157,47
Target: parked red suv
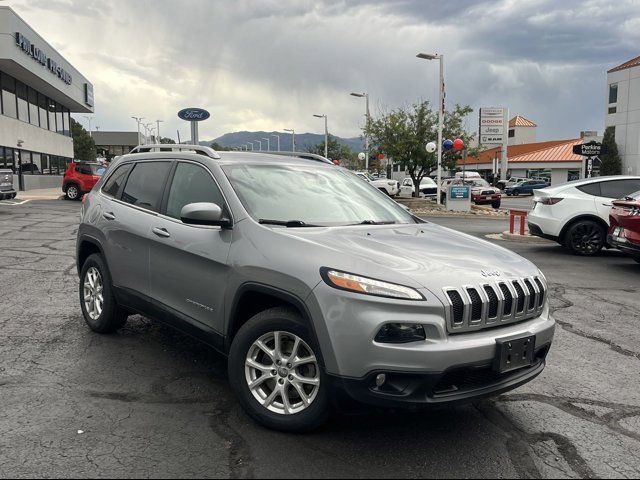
80,179
625,226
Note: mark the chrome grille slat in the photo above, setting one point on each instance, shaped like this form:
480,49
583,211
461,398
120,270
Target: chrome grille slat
476,307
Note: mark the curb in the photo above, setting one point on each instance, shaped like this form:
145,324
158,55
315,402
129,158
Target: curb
35,197
506,236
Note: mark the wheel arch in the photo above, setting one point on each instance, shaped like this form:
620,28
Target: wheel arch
580,218
87,246
252,298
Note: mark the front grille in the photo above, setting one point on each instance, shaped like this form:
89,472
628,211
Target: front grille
488,192
476,307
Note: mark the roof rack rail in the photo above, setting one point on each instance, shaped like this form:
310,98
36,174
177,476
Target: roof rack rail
174,147
304,155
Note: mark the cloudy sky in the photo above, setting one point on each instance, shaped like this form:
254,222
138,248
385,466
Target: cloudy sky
272,64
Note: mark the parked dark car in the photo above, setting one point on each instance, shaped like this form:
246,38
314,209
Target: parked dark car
6,184
624,233
526,187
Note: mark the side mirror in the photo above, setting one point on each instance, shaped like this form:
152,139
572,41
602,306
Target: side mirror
204,214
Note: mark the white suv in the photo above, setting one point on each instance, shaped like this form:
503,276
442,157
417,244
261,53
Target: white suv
576,214
389,186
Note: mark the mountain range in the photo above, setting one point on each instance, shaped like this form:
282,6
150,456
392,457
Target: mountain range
303,140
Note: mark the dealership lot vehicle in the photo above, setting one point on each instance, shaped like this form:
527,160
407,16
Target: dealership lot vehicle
389,186
6,185
80,179
525,188
482,193
513,181
576,214
428,187
189,239
624,233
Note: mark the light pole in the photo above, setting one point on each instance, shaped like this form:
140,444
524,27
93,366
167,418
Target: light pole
429,56
139,120
293,134
259,144
89,119
147,129
278,137
249,145
367,118
158,122
326,135
268,144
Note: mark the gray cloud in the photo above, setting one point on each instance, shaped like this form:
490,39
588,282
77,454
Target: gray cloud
271,64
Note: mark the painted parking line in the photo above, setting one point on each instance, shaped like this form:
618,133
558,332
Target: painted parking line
13,203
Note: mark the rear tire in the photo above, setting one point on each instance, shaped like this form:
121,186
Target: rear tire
248,363
516,193
585,238
99,306
72,192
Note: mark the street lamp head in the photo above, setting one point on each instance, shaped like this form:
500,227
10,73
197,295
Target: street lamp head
359,95
320,116
428,56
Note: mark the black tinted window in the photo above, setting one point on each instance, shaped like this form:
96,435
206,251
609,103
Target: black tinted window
112,186
83,169
146,184
619,188
191,184
591,189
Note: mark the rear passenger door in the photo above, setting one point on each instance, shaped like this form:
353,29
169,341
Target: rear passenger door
188,263
133,199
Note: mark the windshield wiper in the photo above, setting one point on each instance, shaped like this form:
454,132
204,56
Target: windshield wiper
373,222
286,223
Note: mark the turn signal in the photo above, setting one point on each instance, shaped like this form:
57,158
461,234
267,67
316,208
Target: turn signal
549,201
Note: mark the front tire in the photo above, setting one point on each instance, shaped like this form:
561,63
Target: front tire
585,238
99,306
496,205
72,192
275,372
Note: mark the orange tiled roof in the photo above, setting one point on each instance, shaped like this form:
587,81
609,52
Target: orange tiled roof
520,121
513,151
634,62
557,153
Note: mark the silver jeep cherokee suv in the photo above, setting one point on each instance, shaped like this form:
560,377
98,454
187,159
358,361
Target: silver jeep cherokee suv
317,286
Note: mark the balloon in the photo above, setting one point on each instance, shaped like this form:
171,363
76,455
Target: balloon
431,147
381,156
361,156
458,144
447,144
336,162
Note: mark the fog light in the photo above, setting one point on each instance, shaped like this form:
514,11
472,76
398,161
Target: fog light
381,380
400,333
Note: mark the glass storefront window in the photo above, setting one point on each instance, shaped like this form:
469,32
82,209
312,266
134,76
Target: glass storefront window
9,96
60,128
67,122
33,107
38,167
52,114
42,110
23,104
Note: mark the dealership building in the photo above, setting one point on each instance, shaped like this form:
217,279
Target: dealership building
39,89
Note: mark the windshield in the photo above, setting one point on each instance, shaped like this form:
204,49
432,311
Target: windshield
477,183
366,175
308,195
427,181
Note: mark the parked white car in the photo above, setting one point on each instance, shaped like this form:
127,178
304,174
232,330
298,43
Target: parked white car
576,214
390,187
428,188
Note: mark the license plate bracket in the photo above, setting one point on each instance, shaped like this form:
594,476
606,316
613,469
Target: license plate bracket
514,353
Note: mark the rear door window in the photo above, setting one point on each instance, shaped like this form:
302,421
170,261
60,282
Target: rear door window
145,185
591,189
619,188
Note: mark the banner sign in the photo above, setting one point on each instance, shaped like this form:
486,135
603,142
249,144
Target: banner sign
492,123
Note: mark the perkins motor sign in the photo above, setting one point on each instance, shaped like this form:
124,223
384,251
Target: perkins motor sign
42,58
591,149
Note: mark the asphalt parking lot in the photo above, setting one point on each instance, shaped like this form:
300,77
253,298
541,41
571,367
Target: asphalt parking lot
149,402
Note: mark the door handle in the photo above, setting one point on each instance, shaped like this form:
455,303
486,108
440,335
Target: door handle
607,205
109,216
161,232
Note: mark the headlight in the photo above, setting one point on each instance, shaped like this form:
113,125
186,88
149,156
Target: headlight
368,286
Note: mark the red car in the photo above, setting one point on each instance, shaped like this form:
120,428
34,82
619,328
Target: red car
625,226
80,179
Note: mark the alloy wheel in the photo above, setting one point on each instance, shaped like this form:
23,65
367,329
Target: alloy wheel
586,238
92,293
72,192
282,373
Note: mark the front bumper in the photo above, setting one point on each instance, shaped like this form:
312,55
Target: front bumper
460,384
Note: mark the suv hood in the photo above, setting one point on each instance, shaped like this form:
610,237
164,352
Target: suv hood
421,255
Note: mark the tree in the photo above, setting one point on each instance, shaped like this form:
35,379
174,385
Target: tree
167,141
84,147
219,148
336,150
611,162
402,134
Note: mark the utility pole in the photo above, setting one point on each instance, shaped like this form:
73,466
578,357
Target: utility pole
158,122
139,120
278,137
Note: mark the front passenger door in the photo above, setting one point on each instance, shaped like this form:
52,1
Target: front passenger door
188,263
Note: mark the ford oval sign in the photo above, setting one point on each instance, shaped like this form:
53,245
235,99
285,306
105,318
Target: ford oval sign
193,114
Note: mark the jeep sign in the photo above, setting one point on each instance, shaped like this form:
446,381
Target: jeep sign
194,114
